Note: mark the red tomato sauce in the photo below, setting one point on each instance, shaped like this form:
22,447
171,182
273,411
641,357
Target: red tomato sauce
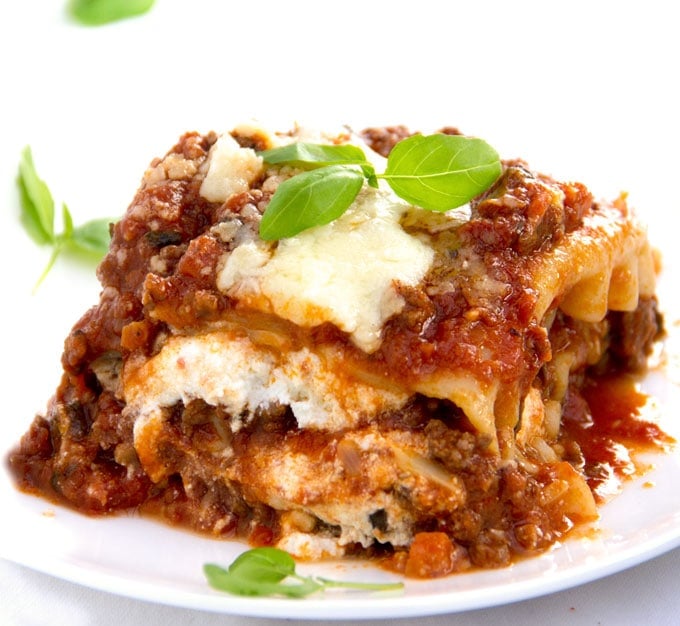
608,422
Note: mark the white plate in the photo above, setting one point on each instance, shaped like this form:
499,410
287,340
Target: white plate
143,559
100,103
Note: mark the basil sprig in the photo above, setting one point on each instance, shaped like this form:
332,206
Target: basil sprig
309,199
98,12
435,172
38,214
441,172
270,571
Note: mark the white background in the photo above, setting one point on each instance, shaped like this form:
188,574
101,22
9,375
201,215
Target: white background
581,90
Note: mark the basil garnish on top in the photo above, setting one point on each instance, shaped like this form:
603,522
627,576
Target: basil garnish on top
435,172
441,172
310,199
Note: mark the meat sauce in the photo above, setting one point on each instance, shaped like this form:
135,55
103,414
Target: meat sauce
607,422
605,425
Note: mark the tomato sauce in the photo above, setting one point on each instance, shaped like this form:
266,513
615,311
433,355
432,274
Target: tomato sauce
607,420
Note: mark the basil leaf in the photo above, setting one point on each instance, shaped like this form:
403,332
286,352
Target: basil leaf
435,172
37,204
67,220
262,572
441,172
98,12
312,155
371,177
220,579
264,564
37,217
93,236
223,580
233,582
344,584
310,199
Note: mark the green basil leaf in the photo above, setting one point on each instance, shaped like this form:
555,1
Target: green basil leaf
232,582
305,587
220,579
98,12
312,155
223,580
441,172
67,220
262,572
265,564
369,172
37,216
92,236
37,204
344,584
310,199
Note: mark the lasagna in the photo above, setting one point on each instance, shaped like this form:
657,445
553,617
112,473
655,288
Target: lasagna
396,384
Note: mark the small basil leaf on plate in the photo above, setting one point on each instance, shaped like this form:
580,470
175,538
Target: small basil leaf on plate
264,564
258,580
268,571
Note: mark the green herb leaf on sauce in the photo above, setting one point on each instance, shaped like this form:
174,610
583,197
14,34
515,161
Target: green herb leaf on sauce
308,156
311,155
37,217
98,12
312,198
441,172
434,172
270,571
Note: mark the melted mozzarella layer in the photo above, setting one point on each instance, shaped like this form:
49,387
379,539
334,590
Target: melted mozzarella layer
345,272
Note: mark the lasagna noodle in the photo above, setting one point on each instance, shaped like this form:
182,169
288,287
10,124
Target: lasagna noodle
606,265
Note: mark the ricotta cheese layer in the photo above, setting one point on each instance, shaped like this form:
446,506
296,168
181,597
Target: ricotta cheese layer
224,368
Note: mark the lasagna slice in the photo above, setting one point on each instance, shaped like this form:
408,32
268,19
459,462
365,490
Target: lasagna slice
394,384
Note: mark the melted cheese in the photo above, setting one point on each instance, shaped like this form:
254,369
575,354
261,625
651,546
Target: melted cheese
345,272
231,170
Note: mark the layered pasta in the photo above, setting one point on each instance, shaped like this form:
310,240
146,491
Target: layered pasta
392,385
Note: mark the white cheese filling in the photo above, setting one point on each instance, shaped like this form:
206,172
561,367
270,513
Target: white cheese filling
226,369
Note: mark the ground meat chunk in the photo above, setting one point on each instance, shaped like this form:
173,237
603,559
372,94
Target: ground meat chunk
633,333
432,555
382,140
525,212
